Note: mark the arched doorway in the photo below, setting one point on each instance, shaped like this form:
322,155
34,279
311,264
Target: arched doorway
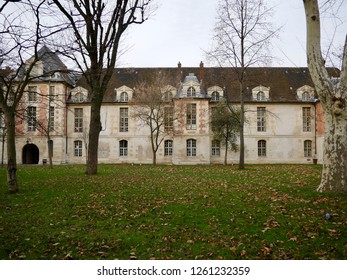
30,154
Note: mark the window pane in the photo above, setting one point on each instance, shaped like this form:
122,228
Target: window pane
168,147
78,119
216,148
78,148
123,120
261,119
262,148
308,148
191,116
123,148
31,118
306,118
191,147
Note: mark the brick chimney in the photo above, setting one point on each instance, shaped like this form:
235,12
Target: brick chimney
202,72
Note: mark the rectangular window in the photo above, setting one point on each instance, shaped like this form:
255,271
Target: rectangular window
308,148
51,93
123,148
78,119
78,148
191,148
123,120
215,148
32,93
168,119
31,118
262,148
261,119
306,118
51,118
191,116
168,147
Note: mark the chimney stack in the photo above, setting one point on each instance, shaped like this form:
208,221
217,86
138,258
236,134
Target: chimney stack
202,72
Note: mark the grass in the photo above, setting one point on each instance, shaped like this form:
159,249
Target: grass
171,212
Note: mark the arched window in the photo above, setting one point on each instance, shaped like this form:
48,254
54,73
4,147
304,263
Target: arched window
191,148
79,97
260,96
167,96
168,147
307,148
215,96
78,148
261,148
191,92
124,97
306,96
123,148
215,148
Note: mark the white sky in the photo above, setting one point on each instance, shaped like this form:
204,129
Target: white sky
180,30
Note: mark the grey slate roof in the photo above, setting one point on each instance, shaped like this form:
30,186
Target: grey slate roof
53,64
283,81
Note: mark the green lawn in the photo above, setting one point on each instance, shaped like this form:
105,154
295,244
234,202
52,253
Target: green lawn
171,212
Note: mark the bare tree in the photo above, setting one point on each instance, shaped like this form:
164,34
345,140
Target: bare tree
225,122
18,40
242,36
153,105
97,28
333,97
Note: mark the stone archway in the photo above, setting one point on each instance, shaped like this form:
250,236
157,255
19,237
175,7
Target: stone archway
30,154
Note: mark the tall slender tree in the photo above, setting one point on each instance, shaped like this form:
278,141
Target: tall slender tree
333,98
97,28
242,36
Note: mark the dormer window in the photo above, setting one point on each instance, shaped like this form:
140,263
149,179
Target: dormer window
123,94
79,97
261,93
167,96
191,92
305,93
306,96
215,96
260,96
124,97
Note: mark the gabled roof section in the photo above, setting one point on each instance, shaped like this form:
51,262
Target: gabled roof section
51,67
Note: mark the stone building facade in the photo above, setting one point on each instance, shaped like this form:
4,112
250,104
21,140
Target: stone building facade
285,122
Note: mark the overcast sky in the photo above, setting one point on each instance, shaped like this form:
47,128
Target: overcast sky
180,30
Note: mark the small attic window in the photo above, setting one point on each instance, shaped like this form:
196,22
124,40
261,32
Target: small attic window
305,93
79,97
261,93
306,96
261,96
167,96
191,92
215,96
124,97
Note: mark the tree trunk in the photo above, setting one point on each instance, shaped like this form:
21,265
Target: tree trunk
94,131
50,152
334,174
11,151
226,152
333,100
